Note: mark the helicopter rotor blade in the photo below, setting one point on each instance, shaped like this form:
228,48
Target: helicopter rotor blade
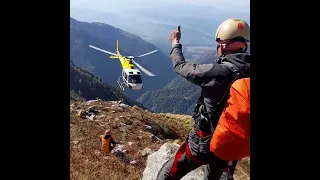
147,53
143,69
103,50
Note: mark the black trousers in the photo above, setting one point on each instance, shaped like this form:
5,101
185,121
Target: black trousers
193,153
232,167
181,164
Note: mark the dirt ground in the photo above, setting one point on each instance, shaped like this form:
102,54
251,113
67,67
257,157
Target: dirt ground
127,125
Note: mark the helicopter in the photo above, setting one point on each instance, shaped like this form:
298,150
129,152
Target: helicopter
130,76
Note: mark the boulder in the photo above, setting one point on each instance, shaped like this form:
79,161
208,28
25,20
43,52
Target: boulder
177,141
146,151
124,105
158,158
90,102
133,162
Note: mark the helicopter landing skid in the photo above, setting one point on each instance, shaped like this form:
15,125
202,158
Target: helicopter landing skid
120,83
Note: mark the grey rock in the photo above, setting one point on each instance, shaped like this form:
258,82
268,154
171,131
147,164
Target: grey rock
124,105
92,117
146,151
158,158
91,101
133,162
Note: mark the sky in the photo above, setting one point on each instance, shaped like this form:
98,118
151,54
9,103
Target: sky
208,13
239,5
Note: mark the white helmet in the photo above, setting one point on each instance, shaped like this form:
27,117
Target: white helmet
232,29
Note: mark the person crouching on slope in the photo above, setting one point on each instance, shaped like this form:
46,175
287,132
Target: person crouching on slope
106,143
233,63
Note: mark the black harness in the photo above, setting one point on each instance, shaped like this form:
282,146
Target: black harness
205,122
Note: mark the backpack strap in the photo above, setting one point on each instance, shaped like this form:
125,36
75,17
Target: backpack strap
232,67
235,70
199,103
238,75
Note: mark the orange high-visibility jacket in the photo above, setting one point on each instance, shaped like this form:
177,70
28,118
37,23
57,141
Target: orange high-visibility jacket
105,144
231,138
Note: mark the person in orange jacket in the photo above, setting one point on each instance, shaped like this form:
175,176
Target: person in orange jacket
202,145
106,142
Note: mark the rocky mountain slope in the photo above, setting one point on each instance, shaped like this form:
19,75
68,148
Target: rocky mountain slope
82,34
179,96
84,85
139,133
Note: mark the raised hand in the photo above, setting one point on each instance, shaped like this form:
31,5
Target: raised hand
175,36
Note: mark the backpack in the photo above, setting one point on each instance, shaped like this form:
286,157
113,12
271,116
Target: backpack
231,138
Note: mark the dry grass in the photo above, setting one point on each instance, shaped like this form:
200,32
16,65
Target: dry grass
86,162
183,120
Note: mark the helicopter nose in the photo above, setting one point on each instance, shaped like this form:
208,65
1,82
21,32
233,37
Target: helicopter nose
135,86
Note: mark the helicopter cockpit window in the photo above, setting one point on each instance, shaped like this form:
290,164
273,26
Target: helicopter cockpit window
136,79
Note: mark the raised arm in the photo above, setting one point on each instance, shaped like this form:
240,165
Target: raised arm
195,73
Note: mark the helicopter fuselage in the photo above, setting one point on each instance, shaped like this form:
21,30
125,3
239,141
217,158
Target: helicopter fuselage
131,76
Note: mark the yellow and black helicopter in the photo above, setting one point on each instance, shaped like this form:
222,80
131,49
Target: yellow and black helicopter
131,76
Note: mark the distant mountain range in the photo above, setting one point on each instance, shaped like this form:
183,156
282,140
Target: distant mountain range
152,28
